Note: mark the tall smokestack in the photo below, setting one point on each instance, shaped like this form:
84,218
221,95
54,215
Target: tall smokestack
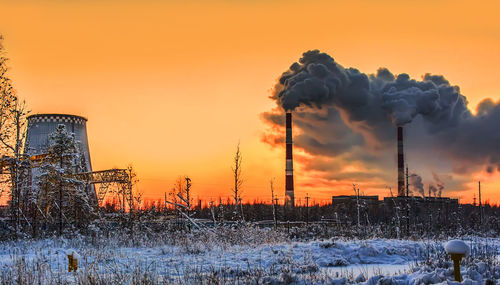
289,195
401,164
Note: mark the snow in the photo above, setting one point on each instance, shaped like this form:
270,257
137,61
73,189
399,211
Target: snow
366,261
457,247
73,252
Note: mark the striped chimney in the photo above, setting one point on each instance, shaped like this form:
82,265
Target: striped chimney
401,163
289,195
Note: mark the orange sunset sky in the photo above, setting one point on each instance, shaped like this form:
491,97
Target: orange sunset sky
172,86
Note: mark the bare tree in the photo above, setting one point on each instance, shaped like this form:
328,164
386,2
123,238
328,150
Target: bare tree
177,189
238,181
212,211
138,199
12,136
187,198
182,199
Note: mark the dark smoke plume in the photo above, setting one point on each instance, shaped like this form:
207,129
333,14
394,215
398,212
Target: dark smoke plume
439,184
345,116
317,80
432,190
416,182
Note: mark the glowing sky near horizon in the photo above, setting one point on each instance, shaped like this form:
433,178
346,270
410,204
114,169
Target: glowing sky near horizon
172,86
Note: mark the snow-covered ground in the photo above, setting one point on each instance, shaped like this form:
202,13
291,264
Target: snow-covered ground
332,261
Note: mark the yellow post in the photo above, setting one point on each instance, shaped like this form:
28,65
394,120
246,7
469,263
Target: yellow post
70,262
457,249
75,264
456,265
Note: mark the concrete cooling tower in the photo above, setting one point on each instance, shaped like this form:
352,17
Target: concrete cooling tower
40,126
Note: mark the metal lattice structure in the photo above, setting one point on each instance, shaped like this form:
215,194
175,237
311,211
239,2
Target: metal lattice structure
111,181
121,178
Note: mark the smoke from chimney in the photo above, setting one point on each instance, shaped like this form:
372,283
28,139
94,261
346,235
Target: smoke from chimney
418,185
345,116
289,191
439,184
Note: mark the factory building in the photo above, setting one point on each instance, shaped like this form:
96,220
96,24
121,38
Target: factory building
423,209
420,212
350,199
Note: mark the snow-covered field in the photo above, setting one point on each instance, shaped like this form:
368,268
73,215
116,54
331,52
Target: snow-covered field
195,260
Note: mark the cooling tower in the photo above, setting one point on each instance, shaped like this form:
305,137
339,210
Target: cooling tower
401,163
289,195
40,126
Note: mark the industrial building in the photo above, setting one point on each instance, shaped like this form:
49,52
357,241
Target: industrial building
349,199
417,211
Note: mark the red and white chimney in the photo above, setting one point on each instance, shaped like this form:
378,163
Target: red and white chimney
289,195
401,163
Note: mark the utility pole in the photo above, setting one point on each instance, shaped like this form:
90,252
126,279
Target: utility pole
480,206
221,208
188,196
390,190
307,208
356,191
274,207
407,183
407,203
